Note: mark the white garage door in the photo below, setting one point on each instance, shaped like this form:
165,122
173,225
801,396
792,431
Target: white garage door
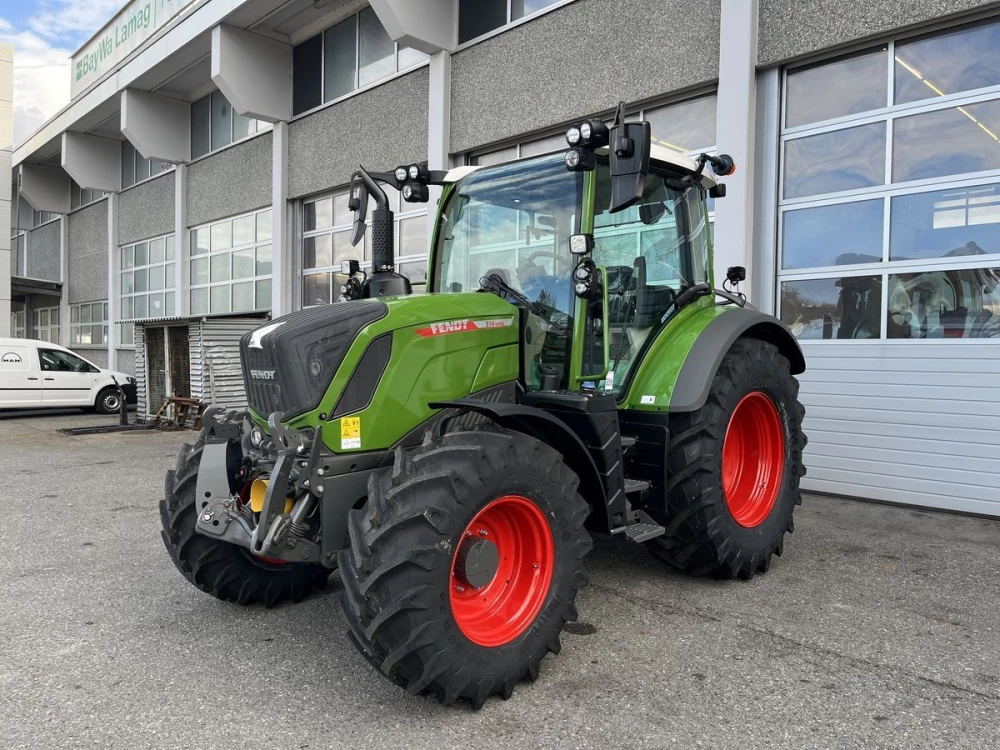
889,266
907,422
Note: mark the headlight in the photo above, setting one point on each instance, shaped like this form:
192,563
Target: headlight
581,289
573,136
256,436
400,174
414,171
582,273
573,158
407,192
586,131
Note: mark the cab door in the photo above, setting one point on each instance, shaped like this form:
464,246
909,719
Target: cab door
20,380
66,379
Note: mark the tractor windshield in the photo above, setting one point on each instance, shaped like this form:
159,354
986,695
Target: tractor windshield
514,221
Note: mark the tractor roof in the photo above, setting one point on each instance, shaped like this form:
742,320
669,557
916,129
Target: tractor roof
657,154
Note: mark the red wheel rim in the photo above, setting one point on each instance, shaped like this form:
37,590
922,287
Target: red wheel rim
498,612
753,459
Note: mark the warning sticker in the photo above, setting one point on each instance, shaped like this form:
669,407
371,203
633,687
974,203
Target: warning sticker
647,400
350,433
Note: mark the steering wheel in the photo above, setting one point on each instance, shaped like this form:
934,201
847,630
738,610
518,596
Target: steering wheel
549,254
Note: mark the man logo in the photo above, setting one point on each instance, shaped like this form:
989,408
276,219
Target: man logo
12,358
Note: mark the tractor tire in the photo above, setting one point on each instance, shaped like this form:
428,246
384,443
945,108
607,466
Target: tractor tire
427,602
226,571
734,468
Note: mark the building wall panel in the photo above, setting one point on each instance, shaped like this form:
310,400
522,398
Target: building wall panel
87,275
578,60
43,251
793,28
146,210
904,421
381,128
230,182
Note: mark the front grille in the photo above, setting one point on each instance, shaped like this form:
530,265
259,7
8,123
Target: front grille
294,358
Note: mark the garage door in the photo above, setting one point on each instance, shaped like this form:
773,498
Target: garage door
889,266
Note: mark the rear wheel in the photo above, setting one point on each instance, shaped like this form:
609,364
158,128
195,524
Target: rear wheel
226,571
464,564
734,468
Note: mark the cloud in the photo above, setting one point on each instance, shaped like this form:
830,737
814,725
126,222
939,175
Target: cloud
44,40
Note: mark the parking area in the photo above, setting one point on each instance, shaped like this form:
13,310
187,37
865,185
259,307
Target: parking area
878,627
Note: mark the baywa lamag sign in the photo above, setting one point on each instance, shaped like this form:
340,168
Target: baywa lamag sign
125,33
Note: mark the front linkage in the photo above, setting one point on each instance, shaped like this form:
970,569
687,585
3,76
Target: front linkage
290,458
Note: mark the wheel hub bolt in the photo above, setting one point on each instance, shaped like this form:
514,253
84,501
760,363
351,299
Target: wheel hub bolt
483,532
459,588
207,517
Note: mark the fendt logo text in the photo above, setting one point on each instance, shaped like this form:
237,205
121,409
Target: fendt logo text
262,374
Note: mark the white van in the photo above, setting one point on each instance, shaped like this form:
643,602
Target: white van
36,374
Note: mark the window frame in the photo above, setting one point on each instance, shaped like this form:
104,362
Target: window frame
50,329
165,167
75,328
260,128
555,5
255,279
358,89
884,268
126,324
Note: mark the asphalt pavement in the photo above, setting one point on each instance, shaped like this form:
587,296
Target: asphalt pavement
877,628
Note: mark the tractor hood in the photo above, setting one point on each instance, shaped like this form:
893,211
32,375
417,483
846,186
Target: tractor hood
325,362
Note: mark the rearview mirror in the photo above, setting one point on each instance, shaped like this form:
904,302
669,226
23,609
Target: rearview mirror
628,149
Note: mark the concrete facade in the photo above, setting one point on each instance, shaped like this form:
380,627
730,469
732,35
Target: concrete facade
43,252
146,210
245,170
88,254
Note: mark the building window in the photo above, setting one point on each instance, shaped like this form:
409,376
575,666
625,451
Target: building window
889,207
231,265
45,324
479,17
88,324
135,168
327,225
147,272
80,197
17,324
215,125
353,54
42,217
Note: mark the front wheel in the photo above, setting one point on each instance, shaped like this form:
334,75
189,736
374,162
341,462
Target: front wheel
109,401
465,563
734,468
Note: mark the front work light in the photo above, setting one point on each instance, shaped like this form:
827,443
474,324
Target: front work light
415,192
573,136
400,174
582,289
580,160
581,244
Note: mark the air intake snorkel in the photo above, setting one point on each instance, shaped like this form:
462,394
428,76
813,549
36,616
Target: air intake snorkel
383,281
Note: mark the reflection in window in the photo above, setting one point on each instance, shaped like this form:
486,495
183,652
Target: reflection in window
837,89
840,160
684,126
834,235
946,142
961,303
146,282
214,125
88,324
945,223
839,308
946,64
479,17
230,266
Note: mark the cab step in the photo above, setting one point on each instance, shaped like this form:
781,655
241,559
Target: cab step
628,441
635,485
641,529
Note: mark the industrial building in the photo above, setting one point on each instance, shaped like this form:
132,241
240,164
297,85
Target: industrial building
196,184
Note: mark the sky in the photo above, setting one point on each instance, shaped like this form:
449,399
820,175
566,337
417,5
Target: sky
45,33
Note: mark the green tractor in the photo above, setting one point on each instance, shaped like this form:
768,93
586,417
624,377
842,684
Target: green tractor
573,370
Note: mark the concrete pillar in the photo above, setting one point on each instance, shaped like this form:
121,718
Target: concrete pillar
282,265
253,72
6,145
438,124
426,25
114,282
735,136
765,208
182,243
93,162
159,127
64,278
45,188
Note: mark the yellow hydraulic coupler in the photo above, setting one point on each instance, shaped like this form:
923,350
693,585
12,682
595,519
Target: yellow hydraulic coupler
257,492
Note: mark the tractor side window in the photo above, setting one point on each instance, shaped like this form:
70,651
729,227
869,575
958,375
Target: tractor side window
652,251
